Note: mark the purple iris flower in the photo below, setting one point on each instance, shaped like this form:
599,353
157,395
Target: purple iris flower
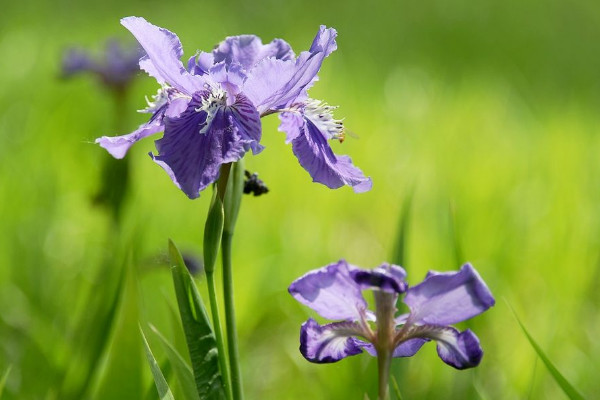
210,109
441,300
116,67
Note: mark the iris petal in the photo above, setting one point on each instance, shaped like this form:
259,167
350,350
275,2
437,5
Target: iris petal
331,292
386,277
164,51
118,146
448,298
458,349
314,154
405,349
328,343
274,84
193,159
248,50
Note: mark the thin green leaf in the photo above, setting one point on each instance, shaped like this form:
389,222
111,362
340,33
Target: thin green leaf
183,371
164,392
93,331
396,388
199,336
213,230
123,377
399,255
459,257
166,369
4,379
564,384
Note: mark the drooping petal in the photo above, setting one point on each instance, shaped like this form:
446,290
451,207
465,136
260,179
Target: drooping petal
200,63
118,146
328,343
458,349
248,50
314,154
448,298
193,159
331,292
386,277
292,124
406,349
274,84
164,51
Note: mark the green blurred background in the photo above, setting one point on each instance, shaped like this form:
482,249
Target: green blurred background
485,111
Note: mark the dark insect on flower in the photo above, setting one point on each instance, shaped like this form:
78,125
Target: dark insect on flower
254,185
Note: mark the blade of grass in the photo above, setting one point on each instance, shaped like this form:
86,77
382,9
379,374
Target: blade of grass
166,369
199,335
183,371
121,376
4,379
94,332
164,392
396,388
399,255
564,384
459,257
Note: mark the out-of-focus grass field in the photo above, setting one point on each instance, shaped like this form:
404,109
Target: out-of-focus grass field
490,109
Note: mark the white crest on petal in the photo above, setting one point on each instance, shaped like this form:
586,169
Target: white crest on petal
321,114
216,99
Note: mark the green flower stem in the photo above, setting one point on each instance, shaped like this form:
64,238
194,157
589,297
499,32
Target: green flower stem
384,310
234,363
213,231
232,197
219,334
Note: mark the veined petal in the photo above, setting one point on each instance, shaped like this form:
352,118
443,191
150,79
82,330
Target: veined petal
328,343
248,50
331,292
164,51
448,298
247,121
118,146
386,277
314,154
193,159
274,84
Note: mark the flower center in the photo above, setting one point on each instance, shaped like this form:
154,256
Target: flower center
211,104
321,114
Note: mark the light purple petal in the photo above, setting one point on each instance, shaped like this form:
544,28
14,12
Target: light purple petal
406,349
164,51
409,348
193,159
248,50
274,84
200,63
314,154
328,343
331,292
458,349
118,146
449,298
292,124
386,277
